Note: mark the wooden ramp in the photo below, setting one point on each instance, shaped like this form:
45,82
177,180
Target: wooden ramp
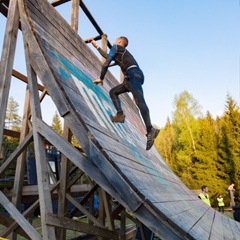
116,157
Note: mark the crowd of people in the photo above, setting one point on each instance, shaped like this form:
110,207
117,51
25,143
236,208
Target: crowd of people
220,201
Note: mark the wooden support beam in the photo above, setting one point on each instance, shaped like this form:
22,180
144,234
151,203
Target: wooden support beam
84,200
29,211
84,211
32,190
104,45
123,227
40,155
20,148
7,58
64,176
23,78
11,133
21,160
75,156
74,179
108,210
25,225
54,220
74,14
7,221
117,211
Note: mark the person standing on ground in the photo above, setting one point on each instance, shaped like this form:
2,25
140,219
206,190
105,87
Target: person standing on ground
133,81
204,195
220,204
231,191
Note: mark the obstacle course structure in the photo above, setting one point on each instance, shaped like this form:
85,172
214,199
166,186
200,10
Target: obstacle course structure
113,156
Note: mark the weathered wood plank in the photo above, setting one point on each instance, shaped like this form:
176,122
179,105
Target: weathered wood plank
21,160
163,227
40,155
32,190
74,15
11,133
7,58
203,226
54,220
84,211
227,231
217,227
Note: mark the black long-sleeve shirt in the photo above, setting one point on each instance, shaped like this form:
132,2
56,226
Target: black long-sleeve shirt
122,57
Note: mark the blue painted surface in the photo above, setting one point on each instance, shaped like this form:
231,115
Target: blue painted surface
103,103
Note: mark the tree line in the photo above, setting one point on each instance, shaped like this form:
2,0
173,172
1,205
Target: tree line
202,150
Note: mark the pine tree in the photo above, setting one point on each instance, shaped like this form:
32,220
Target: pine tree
206,168
164,143
12,119
12,122
231,137
56,124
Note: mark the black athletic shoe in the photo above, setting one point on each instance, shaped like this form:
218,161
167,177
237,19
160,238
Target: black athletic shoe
118,118
151,137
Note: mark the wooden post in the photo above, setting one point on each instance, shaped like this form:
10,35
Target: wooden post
74,15
108,210
7,58
101,212
20,167
104,45
123,226
64,176
40,154
67,135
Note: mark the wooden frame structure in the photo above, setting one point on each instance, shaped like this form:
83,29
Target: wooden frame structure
68,179
113,157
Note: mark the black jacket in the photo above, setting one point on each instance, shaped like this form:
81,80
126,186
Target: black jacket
236,213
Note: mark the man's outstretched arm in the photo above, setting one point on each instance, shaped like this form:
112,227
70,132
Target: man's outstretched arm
103,53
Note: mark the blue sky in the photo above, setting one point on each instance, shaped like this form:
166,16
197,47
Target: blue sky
179,44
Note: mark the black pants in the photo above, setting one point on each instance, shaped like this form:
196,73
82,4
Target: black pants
133,81
221,209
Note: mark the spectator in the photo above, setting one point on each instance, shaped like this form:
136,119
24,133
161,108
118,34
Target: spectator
220,204
231,191
204,195
236,213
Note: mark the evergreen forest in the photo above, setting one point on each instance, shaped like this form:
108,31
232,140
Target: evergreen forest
202,150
